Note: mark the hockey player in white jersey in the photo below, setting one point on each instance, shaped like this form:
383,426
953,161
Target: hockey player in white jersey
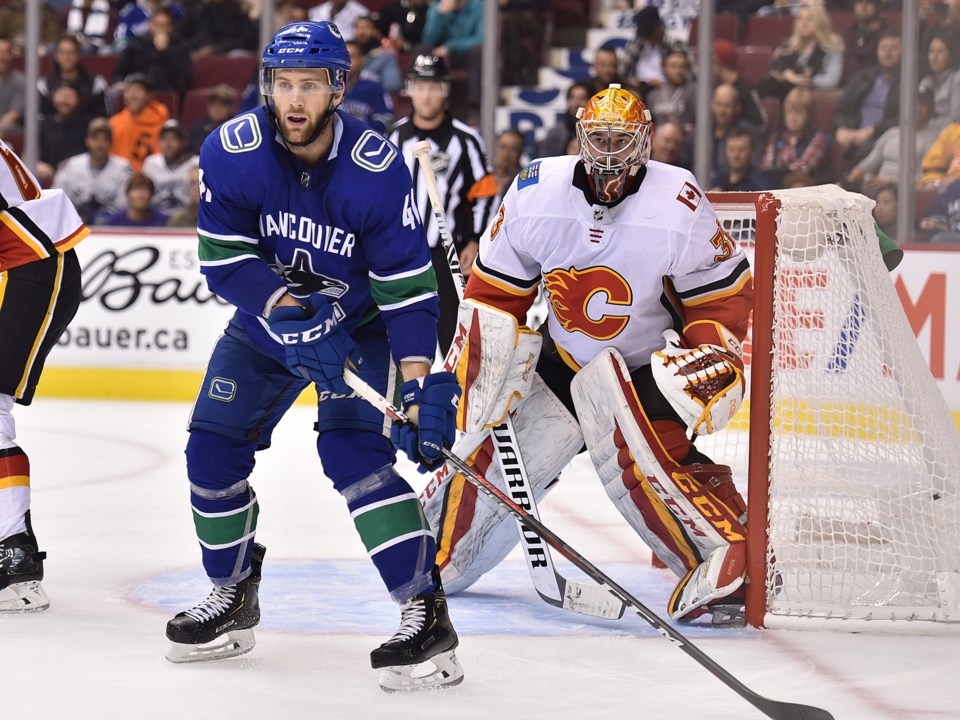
648,303
39,295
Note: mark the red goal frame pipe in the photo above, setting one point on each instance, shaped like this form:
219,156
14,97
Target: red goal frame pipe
761,366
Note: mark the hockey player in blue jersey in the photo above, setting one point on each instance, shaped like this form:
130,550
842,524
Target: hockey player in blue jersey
307,225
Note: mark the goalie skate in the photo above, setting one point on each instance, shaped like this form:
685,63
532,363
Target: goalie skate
222,625
23,598
420,656
21,570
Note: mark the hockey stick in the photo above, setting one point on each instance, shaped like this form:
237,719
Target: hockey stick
775,709
551,586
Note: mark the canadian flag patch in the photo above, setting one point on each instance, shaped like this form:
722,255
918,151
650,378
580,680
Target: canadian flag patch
690,196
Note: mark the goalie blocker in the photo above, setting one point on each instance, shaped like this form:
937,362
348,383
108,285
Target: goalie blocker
684,506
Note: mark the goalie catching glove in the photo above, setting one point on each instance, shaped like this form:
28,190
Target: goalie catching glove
703,384
431,403
315,343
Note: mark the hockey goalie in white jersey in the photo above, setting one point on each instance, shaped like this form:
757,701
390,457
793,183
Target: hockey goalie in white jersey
649,300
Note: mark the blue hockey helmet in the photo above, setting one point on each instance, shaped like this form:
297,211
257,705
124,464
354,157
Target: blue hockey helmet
306,45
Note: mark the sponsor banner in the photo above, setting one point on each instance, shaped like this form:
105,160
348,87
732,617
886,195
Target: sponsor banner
145,305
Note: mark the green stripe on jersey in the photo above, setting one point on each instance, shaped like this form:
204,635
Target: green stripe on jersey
228,528
387,293
213,250
380,523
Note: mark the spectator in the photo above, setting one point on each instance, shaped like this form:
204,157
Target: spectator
217,27
364,97
13,20
62,133
940,17
725,73
454,32
941,164
943,81
604,72
506,160
797,146
170,168
94,181
12,92
134,20
136,128
870,103
187,215
573,146
642,61
738,173
557,137
140,211
521,40
402,23
882,165
885,211
861,39
343,13
67,68
376,60
221,104
93,23
676,98
944,215
158,54
725,115
667,143
812,57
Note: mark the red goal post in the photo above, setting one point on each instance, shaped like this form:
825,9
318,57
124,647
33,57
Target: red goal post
852,457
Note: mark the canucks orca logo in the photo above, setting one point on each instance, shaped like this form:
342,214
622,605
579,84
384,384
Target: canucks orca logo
302,280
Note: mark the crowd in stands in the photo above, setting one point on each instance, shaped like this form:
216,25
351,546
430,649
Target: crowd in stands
803,91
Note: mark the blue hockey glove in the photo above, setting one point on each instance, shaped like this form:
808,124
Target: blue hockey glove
315,342
436,396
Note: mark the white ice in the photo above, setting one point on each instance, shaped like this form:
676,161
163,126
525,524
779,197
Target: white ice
111,507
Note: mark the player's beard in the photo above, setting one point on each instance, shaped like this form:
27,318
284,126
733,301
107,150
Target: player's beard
304,134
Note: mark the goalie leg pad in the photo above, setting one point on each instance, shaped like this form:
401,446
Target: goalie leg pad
683,512
475,534
493,359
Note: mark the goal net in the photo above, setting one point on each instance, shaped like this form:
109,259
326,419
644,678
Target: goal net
852,457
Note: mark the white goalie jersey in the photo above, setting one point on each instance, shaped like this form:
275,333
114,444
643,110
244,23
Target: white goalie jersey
614,276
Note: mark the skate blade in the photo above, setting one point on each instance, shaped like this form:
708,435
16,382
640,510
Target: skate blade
26,597
231,644
439,672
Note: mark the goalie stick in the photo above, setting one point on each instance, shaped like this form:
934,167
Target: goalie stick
551,586
775,709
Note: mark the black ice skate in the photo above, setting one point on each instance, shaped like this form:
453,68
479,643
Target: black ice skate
21,570
420,654
222,625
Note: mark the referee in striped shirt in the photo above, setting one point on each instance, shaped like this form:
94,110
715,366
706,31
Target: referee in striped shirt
464,178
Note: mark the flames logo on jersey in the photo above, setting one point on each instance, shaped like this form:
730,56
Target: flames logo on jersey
570,291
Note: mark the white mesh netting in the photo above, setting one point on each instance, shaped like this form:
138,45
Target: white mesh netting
864,458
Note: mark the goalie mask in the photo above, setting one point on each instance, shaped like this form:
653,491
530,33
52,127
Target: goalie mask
614,129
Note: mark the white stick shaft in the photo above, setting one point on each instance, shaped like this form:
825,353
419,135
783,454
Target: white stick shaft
421,151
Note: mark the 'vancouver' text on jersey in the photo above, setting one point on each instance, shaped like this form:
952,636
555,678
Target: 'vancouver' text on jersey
348,228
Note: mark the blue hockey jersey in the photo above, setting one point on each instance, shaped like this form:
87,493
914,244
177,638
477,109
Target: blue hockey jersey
348,228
